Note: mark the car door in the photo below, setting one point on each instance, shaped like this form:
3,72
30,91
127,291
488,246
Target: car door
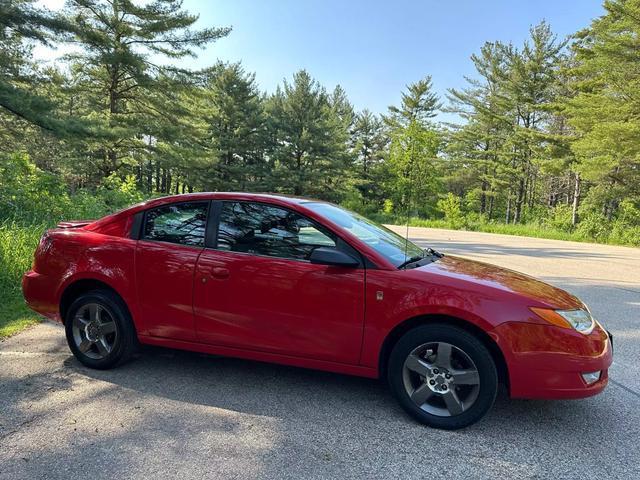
170,242
256,289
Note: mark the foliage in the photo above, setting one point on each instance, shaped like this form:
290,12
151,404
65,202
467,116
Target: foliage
548,133
17,243
450,207
310,132
559,218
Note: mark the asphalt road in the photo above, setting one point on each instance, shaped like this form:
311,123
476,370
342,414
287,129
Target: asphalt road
176,414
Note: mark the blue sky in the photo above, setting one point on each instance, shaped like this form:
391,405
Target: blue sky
374,48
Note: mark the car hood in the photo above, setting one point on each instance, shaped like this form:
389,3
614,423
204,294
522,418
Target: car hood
504,279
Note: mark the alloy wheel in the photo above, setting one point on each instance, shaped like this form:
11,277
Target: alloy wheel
441,379
95,332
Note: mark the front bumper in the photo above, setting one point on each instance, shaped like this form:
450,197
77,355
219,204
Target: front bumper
545,361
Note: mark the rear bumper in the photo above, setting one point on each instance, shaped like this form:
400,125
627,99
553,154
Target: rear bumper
547,362
39,293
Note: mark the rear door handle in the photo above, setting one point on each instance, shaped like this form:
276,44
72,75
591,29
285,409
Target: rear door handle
219,272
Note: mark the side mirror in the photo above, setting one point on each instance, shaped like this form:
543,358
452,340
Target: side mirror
331,256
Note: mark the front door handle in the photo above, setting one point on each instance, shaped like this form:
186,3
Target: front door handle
219,272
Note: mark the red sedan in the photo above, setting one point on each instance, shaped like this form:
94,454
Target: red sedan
307,283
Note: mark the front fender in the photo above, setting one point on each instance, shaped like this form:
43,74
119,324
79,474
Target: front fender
394,298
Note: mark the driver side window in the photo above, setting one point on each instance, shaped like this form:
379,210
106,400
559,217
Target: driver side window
262,229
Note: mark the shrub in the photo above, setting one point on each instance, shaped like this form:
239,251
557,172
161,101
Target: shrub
450,207
594,226
30,195
560,218
387,207
626,227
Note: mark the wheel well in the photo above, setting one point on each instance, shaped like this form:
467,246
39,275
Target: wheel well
78,288
404,327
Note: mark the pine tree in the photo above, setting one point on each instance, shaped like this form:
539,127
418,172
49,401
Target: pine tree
413,149
605,108
476,150
419,103
509,113
530,87
310,141
21,25
369,141
127,92
237,134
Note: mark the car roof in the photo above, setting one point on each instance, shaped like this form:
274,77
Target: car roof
186,197
280,199
297,202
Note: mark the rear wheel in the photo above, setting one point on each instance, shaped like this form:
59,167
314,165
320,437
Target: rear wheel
443,376
99,330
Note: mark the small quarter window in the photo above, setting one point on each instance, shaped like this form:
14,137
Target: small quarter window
182,223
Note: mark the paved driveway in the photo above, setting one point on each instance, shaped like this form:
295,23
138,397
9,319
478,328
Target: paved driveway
170,414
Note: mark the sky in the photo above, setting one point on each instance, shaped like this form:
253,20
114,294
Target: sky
373,49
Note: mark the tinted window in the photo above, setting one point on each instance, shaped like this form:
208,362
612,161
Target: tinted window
267,230
389,244
182,223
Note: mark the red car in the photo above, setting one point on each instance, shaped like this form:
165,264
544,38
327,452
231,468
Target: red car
307,283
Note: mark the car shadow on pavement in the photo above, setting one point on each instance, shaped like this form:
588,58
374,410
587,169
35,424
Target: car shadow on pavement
294,393
322,410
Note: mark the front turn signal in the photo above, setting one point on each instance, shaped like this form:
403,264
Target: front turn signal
551,316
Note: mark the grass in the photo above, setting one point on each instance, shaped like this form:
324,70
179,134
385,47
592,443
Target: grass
15,316
17,244
523,230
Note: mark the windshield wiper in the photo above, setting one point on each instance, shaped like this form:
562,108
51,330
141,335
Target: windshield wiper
410,260
433,252
416,258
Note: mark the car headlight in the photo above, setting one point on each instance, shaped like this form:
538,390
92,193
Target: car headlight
580,320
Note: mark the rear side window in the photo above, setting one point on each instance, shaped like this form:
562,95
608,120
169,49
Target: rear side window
182,223
262,229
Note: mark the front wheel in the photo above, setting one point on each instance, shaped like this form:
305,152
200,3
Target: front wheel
99,330
443,376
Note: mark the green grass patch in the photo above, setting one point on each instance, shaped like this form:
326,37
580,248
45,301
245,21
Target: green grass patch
17,244
15,316
524,230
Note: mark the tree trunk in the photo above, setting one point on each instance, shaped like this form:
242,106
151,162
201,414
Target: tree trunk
483,196
518,210
532,191
150,176
576,200
490,212
297,189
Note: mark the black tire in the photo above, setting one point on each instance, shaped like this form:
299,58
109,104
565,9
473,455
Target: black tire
124,338
482,396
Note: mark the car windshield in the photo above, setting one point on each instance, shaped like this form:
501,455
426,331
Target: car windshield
387,243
